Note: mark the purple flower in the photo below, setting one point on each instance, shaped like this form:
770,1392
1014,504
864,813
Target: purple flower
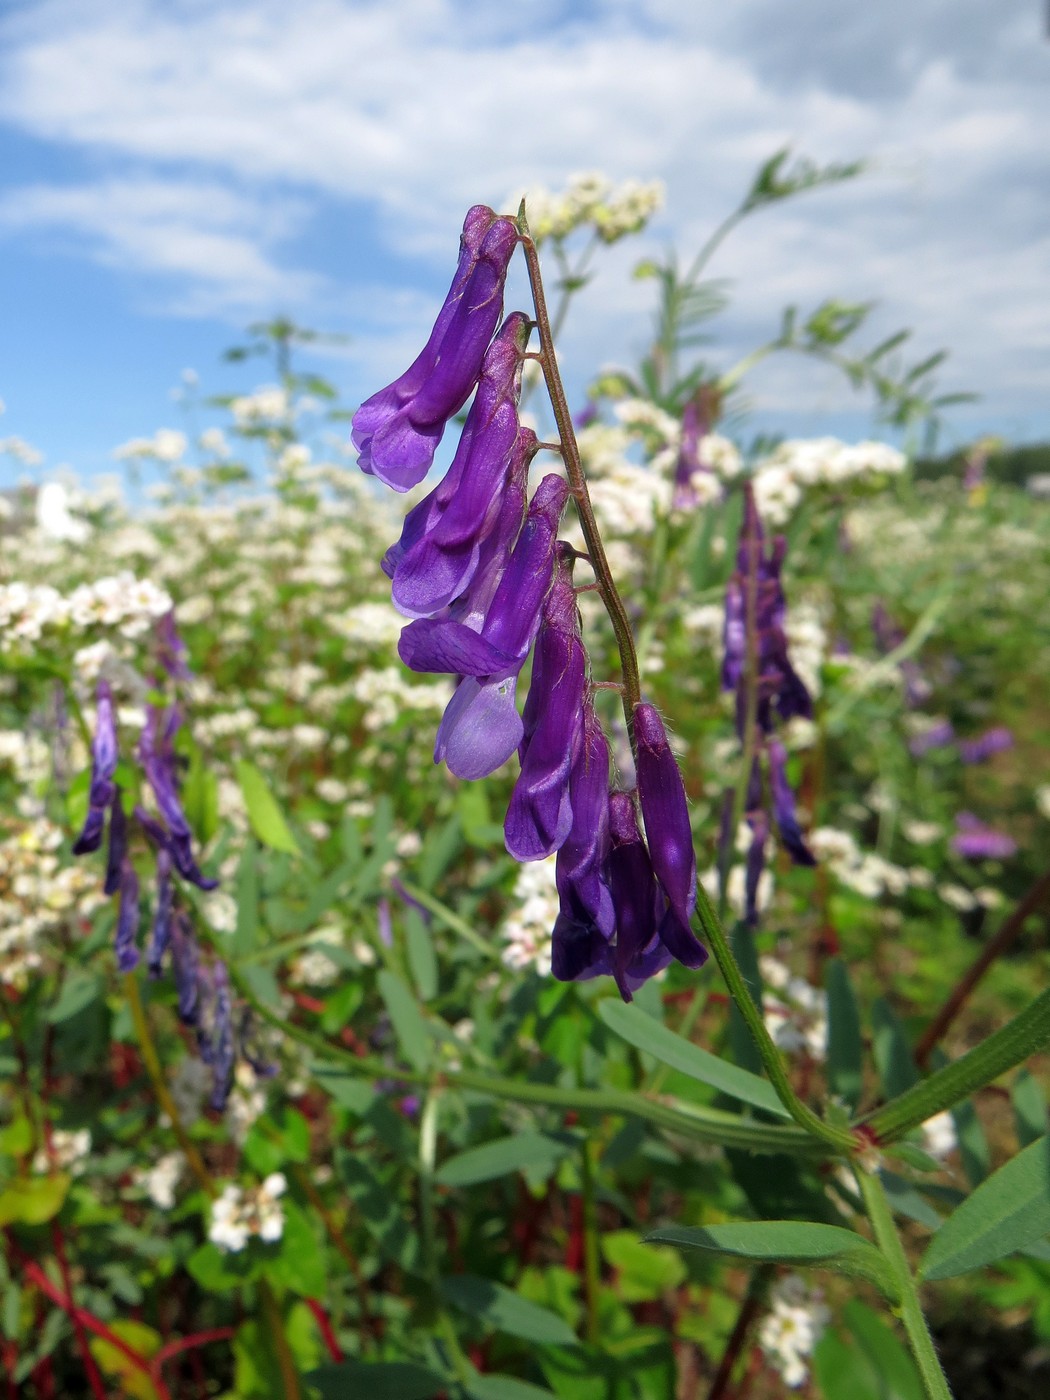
481,726
125,939
162,911
540,813
938,736
216,1042
157,755
171,649
637,900
117,851
441,541
696,421
102,791
784,807
398,429
185,962
976,841
665,813
583,932
995,740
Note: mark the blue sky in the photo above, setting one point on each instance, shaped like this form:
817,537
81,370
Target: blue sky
171,170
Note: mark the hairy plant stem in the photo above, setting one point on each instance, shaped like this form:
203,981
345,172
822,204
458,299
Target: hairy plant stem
1009,1046
840,1140
591,1261
908,1309
285,1360
570,454
688,1120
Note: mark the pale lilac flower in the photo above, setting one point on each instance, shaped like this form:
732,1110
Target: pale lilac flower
995,740
102,791
977,841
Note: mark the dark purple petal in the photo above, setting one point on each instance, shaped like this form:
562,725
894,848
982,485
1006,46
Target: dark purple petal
992,741
540,815
398,429
158,761
171,648
124,940
116,853
665,812
451,648
634,891
514,613
185,962
103,766
756,862
160,937
784,807
938,736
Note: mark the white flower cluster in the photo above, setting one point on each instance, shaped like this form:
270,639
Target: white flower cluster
166,445
781,479
865,872
795,1323
387,695
160,1180
267,405
70,1149
38,896
807,644
122,601
796,1014
939,1137
613,211
527,931
238,1215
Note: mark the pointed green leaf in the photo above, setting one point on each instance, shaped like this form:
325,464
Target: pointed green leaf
898,1377
506,1311
421,959
1029,1108
1007,1211
385,1380
741,1041
533,1152
892,1052
647,1034
32,1200
845,1047
798,1242
495,1387
408,1023
264,814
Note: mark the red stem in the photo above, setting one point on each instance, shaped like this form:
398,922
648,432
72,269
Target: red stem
180,1344
335,1351
996,946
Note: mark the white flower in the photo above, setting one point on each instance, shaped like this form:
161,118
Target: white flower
792,1328
237,1215
527,931
160,1180
939,1137
53,516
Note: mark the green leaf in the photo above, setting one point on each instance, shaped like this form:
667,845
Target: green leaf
843,1372
421,960
1029,1108
408,1023
495,1387
386,1380
32,1200
130,1379
531,1152
264,815
645,1270
845,1047
741,1041
380,1210
1009,1210
786,1242
893,1055
898,1377
300,1264
216,1271
506,1311
646,1034
80,989
246,886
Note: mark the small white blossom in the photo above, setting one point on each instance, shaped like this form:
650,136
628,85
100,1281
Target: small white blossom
795,1323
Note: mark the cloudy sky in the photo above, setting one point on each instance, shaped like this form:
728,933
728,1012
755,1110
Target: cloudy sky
171,170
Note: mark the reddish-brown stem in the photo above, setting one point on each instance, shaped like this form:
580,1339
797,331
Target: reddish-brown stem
749,1310
335,1351
1008,932
90,1366
181,1344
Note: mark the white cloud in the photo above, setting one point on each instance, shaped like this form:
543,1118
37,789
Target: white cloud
417,108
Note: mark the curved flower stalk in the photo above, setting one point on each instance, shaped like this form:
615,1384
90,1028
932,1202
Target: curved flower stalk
756,666
484,577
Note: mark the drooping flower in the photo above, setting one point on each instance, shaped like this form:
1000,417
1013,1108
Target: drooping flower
397,430
995,740
975,840
102,791
157,756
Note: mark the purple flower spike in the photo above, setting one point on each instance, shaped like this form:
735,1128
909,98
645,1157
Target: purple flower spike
540,815
398,429
666,816
976,841
441,544
103,766
161,934
784,807
124,940
996,740
217,1043
636,898
755,864
116,854
583,931
185,962
158,762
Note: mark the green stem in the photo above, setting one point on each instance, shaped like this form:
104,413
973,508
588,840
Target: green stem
690,1120
428,1124
840,1140
591,1262
909,1309
570,452
1009,1046
275,1324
